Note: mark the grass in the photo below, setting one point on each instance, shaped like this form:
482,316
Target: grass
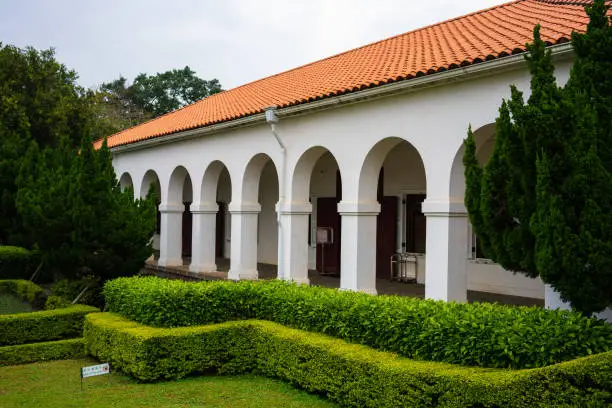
57,384
10,304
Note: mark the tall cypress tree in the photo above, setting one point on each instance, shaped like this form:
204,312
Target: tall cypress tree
500,198
81,221
543,203
573,226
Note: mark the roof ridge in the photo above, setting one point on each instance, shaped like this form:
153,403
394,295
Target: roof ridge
571,2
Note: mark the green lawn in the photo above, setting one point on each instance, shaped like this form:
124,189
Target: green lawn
57,384
10,304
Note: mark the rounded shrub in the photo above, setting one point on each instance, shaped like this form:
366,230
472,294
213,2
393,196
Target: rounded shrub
17,262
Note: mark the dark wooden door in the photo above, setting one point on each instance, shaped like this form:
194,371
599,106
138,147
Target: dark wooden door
220,230
187,229
416,224
386,235
327,216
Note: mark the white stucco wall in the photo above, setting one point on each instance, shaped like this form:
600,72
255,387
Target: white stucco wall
432,122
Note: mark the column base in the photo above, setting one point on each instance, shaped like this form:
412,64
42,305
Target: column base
303,281
170,262
202,268
243,274
366,291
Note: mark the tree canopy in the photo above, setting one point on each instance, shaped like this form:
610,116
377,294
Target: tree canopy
120,105
74,210
58,194
542,205
40,101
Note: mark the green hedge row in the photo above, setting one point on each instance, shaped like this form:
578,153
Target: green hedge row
51,350
352,375
17,262
59,324
24,289
479,334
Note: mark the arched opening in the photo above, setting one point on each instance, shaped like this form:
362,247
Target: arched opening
125,182
261,185
180,194
150,183
486,280
485,143
216,192
317,180
393,174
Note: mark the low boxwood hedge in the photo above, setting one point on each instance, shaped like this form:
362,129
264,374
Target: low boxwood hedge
17,262
352,375
51,350
24,289
59,324
479,334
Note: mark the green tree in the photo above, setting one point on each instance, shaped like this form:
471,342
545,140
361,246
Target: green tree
501,197
170,90
83,224
542,205
117,105
573,225
41,102
114,108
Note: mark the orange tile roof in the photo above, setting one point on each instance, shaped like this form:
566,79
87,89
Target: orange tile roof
473,38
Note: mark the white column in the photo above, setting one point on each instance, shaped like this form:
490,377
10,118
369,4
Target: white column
204,237
171,240
294,222
243,259
552,299
446,251
358,246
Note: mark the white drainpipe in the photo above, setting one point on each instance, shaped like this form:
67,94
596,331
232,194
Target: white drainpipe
272,119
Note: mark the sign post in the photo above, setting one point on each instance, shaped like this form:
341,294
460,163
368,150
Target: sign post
91,371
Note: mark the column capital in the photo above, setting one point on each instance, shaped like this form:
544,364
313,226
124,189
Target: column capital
244,208
444,208
171,208
360,208
303,208
204,208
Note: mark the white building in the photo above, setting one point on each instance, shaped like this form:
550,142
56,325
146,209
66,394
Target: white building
367,143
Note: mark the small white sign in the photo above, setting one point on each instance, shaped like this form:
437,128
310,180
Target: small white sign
91,371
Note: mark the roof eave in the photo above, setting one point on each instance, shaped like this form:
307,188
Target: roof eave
485,68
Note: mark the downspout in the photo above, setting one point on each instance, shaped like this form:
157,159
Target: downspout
272,119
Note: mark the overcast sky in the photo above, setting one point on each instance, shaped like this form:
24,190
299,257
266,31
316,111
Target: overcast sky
235,41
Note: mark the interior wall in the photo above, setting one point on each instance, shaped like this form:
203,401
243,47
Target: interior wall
267,236
322,184
224,195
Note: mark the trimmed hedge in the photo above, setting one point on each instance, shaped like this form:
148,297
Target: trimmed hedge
52,350
59,324
478,334
352,375
24,289
17,262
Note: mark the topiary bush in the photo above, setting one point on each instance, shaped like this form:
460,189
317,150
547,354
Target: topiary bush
56,302
51,350
25,290
22,328
478,334
352,375
17,262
